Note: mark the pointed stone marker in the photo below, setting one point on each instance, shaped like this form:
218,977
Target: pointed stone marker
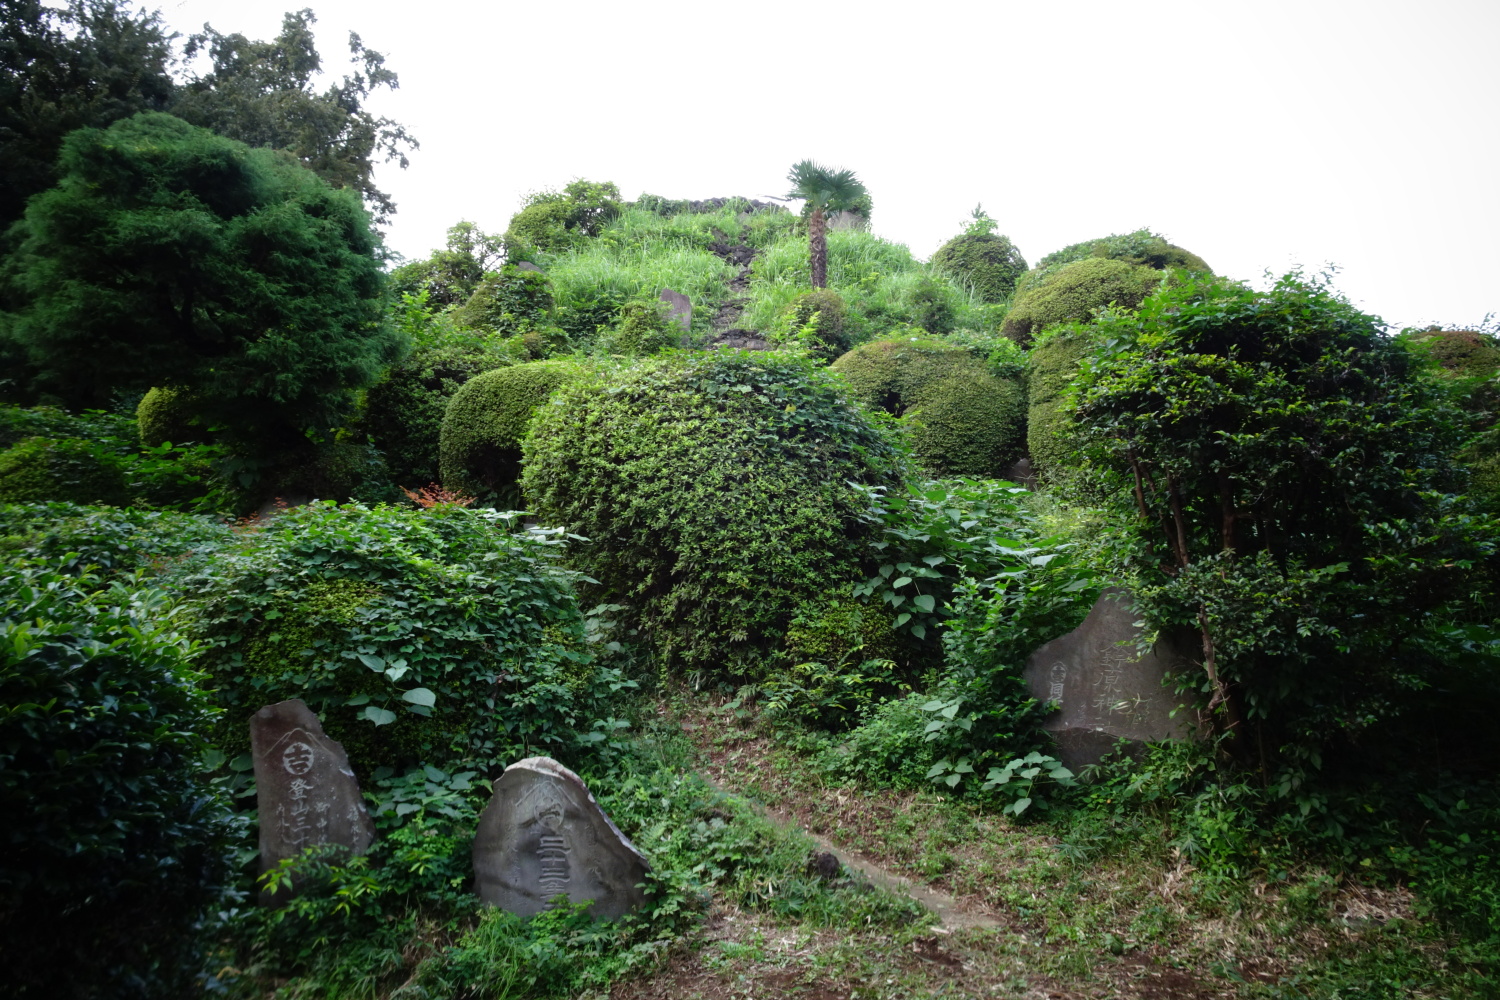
306,792
681,306
1104,690
543,835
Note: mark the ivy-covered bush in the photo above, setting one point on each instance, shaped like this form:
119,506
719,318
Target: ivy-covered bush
963,420
714,491
828,336
114,844
1074,291
18,423
988,263
403,412
486,420
1053,364
108,541
39,469
644,327
509,301
440,636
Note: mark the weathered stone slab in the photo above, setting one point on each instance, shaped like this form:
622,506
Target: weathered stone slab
527,265
543,835
1104,690
306,792
682,308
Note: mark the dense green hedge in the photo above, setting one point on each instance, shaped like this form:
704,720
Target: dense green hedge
1053,364
114,844
714,493
509,301
403,412
825,310
1073,291
480,449
988,263
963,420
440,636
38,469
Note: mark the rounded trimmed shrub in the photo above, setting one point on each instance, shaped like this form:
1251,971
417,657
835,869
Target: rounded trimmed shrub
963,420
114,843
486,420
39,469
1053,365
403,412
987,263
438,636
715,493
1073,291
1141,247
165,414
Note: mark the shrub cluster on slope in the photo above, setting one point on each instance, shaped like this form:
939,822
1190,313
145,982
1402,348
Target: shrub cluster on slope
963,420
713,491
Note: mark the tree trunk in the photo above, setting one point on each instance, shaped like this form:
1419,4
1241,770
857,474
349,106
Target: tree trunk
817,242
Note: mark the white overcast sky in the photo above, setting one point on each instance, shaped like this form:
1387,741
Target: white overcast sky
1258,135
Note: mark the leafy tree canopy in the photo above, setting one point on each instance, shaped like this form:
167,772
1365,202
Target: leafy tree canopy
168,255
88,64
264,94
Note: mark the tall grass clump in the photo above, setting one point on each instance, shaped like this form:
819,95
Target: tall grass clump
618,270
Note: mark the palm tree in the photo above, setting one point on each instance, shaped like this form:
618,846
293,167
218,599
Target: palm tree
825,191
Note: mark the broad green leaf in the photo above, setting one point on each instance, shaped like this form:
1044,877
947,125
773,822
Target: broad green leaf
375,663
923,602
420,696
379,716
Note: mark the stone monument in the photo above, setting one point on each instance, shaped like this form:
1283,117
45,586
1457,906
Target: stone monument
682,308
306,793
1106,691
543,835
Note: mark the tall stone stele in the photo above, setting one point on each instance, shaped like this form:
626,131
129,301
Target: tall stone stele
306,792
543,836
1105,690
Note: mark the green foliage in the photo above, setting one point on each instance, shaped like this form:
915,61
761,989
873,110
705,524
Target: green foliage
68,469
165,414
714,491
262,94
842,656
963,421
111,542
824,191
84,65
1073,291
97,457
1294,506
508,301
1053,364
114,843
403,412
435,636
1142,248
552,223
645,327
987,263
816,320
170,256
486,421
1021,777
452,274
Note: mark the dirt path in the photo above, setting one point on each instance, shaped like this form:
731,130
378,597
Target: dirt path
725,333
